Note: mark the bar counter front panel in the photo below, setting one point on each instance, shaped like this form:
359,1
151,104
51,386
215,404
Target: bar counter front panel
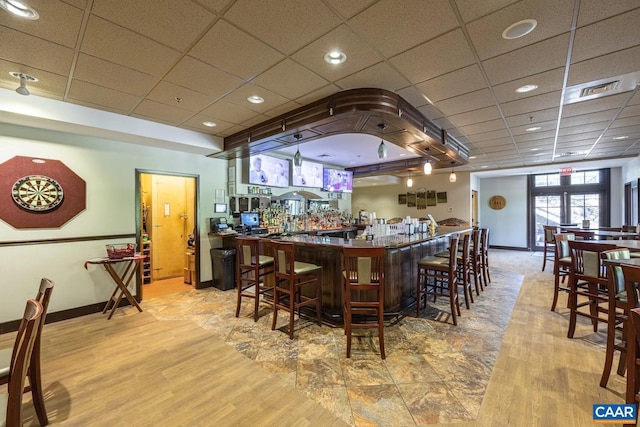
401,258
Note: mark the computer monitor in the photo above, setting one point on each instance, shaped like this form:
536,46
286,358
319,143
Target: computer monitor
250,219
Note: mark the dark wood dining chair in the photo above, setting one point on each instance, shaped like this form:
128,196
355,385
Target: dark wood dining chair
291,277
437,276
34,372
11,402
363,292
621,300
588,281
251,270
484,255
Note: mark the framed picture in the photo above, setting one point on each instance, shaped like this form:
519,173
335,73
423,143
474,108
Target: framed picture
421,200
411,200
402,199
441,197
431,198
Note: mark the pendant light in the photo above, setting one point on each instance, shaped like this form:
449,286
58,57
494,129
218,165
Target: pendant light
428,168
297,158
382,149
409,182
452,175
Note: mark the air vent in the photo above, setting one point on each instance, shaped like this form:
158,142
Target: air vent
603,87
600,89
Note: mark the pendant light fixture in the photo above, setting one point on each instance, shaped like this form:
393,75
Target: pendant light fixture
382,149
24,78
409,182
428,168
297,158
452,175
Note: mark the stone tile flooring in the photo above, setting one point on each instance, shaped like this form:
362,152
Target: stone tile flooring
434,372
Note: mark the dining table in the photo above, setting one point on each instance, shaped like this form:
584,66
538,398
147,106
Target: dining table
121,280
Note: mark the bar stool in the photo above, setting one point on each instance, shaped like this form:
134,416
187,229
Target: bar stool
549,243
484,255
438,277
251,267
363,291
561,264
464,268
291,277
622,298
476,260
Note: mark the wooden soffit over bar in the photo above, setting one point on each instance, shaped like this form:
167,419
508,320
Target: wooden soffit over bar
354,111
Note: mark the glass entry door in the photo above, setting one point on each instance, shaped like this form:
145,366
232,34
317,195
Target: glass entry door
557,200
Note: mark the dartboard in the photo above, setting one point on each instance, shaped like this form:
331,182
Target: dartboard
37,193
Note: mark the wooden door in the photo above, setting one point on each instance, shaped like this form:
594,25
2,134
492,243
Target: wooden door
474,208
173,212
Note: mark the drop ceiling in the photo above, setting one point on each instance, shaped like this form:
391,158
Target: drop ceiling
182,63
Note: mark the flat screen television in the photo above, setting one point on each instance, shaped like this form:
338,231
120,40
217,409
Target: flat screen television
307,175
337,180
249,219
269,171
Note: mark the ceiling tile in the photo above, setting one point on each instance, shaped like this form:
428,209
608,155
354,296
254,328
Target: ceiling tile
596,11
496,136
381,23
240,95
195,123
47,27
179,97
630,111
533,117
452,52
431,112
228,112
349,8
614,64
290,80
483,127
102,73
216,6
165,112
613,34
583,119
467,102
98,96
533,103
533,59
413,96
460,81
116,44
283,25
380,76
359,55
548,135
546,126
198,76
175,24
624,122
598,104
34,52
220,46
476,116
282,109
474,9
548,81
318,94
553,18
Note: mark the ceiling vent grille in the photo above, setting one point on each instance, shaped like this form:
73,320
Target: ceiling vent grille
600,89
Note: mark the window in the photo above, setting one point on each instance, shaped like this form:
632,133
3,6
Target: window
585,177
547,180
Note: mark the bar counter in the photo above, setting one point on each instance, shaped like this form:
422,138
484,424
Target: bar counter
401,257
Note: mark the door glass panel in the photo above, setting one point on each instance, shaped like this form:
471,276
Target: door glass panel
585,206
548,212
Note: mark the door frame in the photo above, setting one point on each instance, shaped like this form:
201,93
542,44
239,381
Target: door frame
196,221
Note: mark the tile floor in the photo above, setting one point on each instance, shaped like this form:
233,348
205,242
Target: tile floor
434,372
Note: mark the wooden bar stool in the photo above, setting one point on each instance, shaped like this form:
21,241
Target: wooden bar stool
291,277
484,255
561,264
621,301
363,291
251,267
549,243
476,260
437,276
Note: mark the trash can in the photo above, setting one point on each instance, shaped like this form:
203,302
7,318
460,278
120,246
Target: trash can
223,264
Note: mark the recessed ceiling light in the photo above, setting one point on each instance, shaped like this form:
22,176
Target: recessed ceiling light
484,166
526,88
533,128
19,9
620,137
534,149
255,99
519,29
352,162
427,98
403,154
473,157
335,57
209,124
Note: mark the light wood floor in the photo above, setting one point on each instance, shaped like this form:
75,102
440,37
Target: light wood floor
136,370
159,288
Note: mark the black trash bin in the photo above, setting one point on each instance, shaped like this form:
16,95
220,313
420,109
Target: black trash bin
223,264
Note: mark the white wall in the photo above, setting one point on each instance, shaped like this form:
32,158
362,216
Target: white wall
383,200
108,167
508,226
